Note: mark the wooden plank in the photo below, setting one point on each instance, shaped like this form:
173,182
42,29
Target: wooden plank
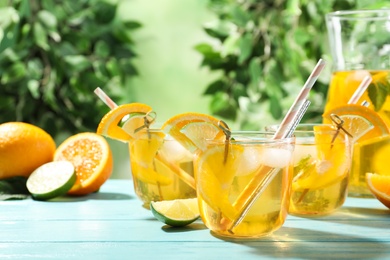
199,250
112,224
152,230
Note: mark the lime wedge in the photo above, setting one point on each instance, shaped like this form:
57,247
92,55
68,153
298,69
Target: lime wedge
51,180
176,213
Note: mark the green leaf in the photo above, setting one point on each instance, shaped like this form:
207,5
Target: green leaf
8,16
222,106
35,69
48,20
204,49
215,87
40,36
78,63
220,30
104,12
13,188
14,73
33,87
301,37
102,49
231,45
131,25
112,67
211,58
378,93
245,45
24,9
240,17
255,71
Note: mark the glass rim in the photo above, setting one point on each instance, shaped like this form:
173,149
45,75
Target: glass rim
310,128
375,14
254,137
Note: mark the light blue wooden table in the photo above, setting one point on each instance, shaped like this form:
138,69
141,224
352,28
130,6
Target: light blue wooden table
112,224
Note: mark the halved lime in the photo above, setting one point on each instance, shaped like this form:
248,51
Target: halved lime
51,180
176,213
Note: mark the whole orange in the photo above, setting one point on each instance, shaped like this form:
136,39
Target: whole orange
23,148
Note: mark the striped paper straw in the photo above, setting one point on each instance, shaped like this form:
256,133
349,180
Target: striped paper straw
299,101
360,90
106,99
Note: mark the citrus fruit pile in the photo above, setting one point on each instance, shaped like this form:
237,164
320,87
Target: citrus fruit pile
91,156
79,166
84,162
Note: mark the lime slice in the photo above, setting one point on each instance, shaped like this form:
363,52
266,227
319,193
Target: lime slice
357,126
176,213
51,180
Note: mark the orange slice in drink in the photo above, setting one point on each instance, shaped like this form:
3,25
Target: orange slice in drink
358,127
216,177
331,165
143,151
192,130
110,124
91,156
379,185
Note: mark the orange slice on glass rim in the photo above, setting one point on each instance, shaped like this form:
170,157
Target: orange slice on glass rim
379,185
357,127
111,124
192,130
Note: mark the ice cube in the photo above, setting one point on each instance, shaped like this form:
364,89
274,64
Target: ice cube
323,166
302,151
276,157
174,151
251,161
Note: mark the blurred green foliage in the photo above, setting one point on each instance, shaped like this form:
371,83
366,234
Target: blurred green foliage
265,51
53,54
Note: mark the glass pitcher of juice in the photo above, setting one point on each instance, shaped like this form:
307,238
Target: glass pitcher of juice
359,44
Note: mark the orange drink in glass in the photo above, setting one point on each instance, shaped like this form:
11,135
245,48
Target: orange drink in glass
359,47
162,168
322,161
226,173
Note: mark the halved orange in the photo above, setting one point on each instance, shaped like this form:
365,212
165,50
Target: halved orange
110,124
380,128
91,156
193,129
379,185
